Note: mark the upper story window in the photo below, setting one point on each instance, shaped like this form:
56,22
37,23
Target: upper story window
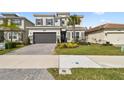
56,20
16,21
63,22
39,21
49,21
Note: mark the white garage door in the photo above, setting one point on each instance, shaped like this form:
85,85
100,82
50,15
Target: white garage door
115,38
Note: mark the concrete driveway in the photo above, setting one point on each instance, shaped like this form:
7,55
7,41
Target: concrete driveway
35,49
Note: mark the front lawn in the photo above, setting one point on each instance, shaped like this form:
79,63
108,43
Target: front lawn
90,74
9,50
90,50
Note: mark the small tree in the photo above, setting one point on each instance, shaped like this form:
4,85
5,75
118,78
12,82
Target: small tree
72,21
10,27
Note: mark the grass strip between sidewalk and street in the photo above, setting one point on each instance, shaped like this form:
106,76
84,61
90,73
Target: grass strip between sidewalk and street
90,74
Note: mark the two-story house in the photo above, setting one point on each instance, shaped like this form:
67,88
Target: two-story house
53,28
17,35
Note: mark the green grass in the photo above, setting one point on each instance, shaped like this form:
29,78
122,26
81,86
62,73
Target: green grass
90,74
9,50
90,50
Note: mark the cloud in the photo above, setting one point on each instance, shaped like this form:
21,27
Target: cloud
102,20
105,21
99,13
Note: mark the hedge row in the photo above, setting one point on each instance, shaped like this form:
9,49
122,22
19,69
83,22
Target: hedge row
10,45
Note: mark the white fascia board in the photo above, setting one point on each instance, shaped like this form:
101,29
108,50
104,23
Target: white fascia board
113,31
43,27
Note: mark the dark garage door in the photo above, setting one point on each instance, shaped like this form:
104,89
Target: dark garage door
44,37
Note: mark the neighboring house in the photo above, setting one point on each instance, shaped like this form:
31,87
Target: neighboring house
109,32
53,28
21,22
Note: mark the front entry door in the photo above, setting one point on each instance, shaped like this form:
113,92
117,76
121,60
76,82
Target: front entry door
63,36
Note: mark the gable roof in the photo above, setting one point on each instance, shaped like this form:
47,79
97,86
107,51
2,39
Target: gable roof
110,26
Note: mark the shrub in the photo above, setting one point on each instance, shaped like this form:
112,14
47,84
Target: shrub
58,41
71,45
107,44
84,43
10,45
67,45
18,43
61,45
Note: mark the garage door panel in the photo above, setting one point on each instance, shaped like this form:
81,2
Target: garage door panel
117,38
44,37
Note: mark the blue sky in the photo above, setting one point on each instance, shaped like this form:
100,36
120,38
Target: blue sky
90,18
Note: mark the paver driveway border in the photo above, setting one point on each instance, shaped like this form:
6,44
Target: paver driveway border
25,74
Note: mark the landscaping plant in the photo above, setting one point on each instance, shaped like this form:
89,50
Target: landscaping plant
9,45
67,45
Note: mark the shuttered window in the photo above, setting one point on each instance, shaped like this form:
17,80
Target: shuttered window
16,21
49,21
39,21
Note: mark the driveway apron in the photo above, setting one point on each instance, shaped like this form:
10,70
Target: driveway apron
35,49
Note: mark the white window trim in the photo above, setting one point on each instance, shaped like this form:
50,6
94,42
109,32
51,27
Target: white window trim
13,35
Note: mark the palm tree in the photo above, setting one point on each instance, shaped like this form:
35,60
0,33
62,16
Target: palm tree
11,27
72,21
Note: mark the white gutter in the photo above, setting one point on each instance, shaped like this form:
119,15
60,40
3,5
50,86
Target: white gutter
112,31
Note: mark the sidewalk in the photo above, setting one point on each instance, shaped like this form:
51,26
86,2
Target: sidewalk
28,61
60,61
108,61
89,61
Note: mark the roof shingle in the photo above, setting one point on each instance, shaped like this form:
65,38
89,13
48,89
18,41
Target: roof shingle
106,26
